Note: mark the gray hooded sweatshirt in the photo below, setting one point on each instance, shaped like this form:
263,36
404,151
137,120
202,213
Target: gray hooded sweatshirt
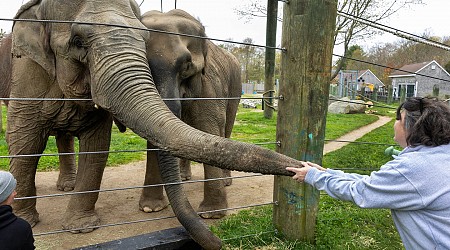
415,186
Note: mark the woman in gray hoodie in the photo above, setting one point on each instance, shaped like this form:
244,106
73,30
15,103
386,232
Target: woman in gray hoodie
415,185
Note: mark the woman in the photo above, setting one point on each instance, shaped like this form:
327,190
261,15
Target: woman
415,185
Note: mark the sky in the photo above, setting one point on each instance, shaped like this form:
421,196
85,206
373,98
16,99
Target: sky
222,22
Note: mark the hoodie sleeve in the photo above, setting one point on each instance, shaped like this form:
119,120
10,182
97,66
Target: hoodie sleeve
386,188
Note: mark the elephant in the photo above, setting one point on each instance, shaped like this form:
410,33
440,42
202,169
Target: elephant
5,67
64,142
88,50
190,67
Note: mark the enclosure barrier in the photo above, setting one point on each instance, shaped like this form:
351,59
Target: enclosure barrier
317,143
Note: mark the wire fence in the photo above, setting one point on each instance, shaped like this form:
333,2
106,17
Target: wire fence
391,30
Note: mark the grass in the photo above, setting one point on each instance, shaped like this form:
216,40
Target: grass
340,225
120,141
250,127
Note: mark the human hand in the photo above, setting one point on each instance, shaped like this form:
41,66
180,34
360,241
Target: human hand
316,166
301,172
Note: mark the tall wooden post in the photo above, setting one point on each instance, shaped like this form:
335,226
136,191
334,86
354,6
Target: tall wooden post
308,28
271,39
390,94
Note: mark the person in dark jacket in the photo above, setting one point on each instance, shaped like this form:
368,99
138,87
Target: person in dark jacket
15,232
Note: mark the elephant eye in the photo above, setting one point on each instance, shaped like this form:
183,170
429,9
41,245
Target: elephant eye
77,41
186,70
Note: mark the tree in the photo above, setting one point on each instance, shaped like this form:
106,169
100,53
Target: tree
2,34
355,52
347,30
251,59
447,66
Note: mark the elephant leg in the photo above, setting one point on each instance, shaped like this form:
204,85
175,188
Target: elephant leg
80,215
232,107
185,169
24,170
67,165
227,173
215,196
152,198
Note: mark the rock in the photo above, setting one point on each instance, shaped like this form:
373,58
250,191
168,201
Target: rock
347,106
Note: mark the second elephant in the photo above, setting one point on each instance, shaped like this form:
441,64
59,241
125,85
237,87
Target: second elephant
191,67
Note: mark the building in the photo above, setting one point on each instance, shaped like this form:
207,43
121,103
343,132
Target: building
419,79
369,81
363,81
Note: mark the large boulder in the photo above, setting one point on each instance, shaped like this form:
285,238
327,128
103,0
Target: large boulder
347,106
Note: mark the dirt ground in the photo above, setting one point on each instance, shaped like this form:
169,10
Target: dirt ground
122,206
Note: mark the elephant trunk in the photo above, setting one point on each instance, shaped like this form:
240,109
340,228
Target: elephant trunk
125,92
130,94
123,85
181,206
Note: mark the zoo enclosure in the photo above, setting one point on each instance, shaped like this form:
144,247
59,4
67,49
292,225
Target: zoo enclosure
317,144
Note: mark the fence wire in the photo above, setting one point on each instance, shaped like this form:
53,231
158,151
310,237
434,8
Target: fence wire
388,29
136,187
147,220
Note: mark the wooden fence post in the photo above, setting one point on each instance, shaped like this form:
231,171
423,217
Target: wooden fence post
271,39
308,28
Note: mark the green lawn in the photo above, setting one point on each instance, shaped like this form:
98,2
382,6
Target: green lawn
250,127
340,225
120,141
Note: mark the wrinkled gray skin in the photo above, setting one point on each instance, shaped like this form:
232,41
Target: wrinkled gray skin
64,142
190,67
5,67
108,64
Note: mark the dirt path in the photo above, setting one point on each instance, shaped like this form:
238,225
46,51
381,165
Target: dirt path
354,135
122,206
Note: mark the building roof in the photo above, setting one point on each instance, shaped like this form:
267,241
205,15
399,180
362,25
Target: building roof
368,71
411,69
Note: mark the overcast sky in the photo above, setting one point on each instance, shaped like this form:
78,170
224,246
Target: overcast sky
222,22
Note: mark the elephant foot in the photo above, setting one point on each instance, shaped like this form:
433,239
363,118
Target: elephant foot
153,205
65,183
32,217
227,173
185,175
81,222
212,215
228,182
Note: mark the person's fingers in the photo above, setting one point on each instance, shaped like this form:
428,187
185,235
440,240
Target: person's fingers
306,164
312,164
291,169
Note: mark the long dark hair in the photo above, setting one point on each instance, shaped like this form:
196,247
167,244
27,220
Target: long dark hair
427,121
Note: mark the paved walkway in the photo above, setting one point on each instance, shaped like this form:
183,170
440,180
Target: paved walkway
355,134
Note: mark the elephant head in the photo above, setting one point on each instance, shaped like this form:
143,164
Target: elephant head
107,63
177,62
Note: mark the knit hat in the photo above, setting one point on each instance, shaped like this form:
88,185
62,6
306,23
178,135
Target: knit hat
7,185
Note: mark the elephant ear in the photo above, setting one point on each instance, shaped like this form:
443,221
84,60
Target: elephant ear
136,9
32,39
